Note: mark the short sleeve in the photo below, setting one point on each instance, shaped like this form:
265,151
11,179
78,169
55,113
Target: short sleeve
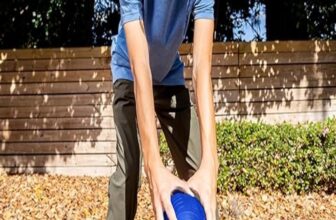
130,10
204,9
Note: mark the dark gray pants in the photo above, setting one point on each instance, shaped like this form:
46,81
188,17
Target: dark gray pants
179,123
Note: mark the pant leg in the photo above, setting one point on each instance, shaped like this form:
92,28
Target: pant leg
123,184
179,123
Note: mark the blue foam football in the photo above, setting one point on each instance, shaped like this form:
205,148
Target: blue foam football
186,207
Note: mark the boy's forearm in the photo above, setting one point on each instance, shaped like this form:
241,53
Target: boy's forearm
146,123
143,91
146,118
203,88
205,108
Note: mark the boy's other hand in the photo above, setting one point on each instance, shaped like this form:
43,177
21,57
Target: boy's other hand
203,183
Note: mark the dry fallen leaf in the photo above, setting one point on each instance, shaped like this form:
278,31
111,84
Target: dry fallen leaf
62,197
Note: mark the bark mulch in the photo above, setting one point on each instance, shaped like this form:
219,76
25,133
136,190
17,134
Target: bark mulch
62,197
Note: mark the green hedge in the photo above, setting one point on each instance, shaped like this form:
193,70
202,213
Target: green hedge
285,157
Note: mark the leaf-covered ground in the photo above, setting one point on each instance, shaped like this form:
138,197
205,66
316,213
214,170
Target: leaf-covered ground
61,197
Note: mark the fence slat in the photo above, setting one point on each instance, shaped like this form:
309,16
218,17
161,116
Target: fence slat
292,94
55,53
56,100
56,111
297,117
52,148
287,46
275,107
55,64
62,170
55,76
57,123
58,135
55,88
58,160
264,59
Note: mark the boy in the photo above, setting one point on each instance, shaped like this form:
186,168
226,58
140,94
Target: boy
148,80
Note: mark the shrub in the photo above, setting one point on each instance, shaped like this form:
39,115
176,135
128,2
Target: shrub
285,157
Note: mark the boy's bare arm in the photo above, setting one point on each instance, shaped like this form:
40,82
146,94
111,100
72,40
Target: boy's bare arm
204,180
161,181
139,62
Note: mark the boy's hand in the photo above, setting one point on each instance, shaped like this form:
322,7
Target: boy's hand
203,183
162,184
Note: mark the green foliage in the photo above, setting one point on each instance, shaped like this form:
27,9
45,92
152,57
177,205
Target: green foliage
322,19
55,23
284,157
40,23
300,19
164,150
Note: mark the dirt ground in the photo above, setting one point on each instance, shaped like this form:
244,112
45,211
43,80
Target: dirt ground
61,197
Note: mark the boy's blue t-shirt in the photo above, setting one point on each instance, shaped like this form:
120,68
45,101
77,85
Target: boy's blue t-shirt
166,23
